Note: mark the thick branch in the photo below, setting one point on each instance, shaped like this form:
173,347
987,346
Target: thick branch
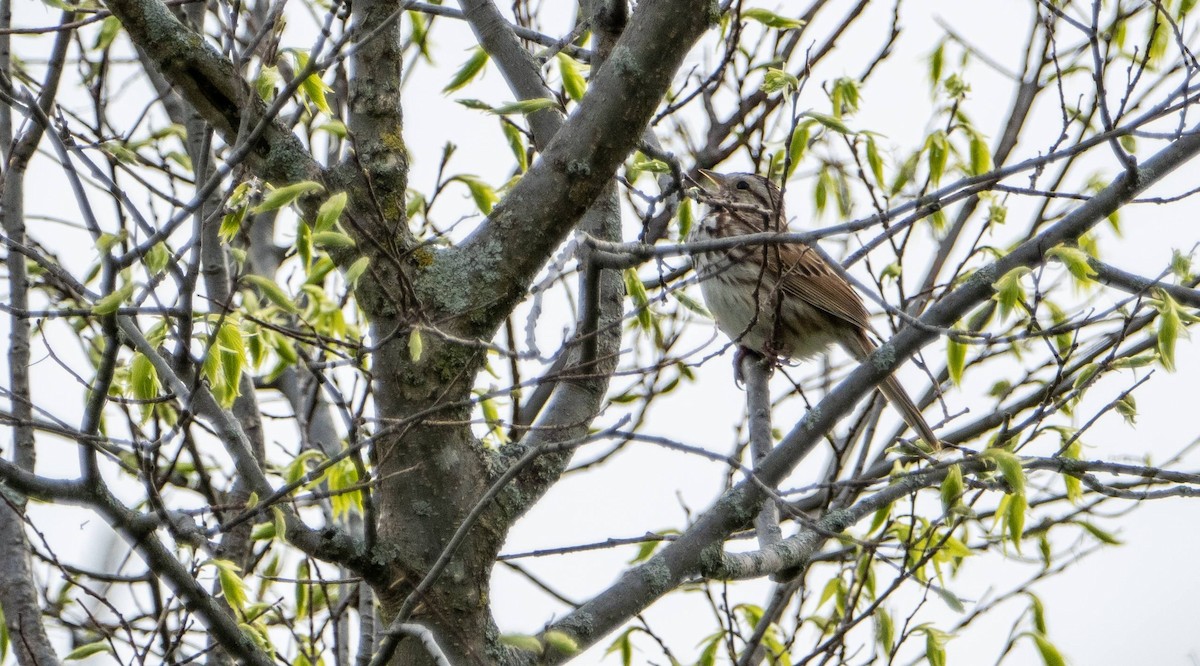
212,85
1137,284
518,67
18,594
499,261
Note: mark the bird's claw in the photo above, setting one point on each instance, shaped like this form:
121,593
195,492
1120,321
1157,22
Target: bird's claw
742,353
739,378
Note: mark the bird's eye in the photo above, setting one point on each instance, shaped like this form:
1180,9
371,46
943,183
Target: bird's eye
742,185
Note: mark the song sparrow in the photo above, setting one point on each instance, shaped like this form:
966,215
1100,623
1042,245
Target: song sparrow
781,299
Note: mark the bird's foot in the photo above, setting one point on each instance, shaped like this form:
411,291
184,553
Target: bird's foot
744,354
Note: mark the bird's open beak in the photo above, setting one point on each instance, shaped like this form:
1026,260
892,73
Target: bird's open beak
713,177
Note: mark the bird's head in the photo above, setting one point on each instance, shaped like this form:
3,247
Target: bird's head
745,189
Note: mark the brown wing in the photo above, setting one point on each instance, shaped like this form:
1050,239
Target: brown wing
806,276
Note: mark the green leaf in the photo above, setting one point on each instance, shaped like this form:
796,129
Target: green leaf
272,291
952,487
1009,291
821,189
334,127
356,269
1050,654
484,195
258,633
832,587
1158,39
1181,266
624,645
231,224
798,146
686,218
256,344
709,656
981,155
110,27
844,96
240,195
263,532
1168,330
956,359
283,196
832,123
330,211
332,240
1101,535
157,258
1127,408
905,174
776,80
641,301
284,349
996,214
885,630
938,148
1085,376
85,651
277,519
1076,261
113,302
266,82
224,363
936,60
1010,468
469,70
1074,488
1038,612
303,591
341,478
516,142
771,19
304,244
232,585
935,645
952,601
106,242
561,641
312,88
297,468
522,642
526,106
956,87
491,416
1016,519
420,33
415,345
121,152
475,104
892,271
874,160
573,82
642,163
143,378
691,304
644,551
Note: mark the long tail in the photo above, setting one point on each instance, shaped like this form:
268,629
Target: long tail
860,346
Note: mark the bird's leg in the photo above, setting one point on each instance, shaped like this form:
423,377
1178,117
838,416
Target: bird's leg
744,353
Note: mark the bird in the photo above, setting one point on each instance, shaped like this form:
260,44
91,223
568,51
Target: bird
781,299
